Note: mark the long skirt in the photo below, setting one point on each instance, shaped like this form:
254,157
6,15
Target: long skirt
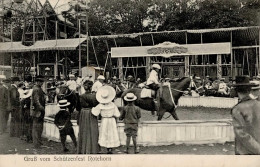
88,133
108,136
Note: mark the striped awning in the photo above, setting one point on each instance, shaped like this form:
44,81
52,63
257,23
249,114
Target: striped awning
60,44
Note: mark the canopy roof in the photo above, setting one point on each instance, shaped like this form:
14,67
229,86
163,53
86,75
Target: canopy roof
60,44
241,36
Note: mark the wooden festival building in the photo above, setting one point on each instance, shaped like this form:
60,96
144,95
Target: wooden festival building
224,52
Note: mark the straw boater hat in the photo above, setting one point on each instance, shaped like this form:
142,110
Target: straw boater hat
71,76
130,97
256,83
101,77
105,94
243,81
63,103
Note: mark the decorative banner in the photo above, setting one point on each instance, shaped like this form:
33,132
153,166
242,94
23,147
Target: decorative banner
168,49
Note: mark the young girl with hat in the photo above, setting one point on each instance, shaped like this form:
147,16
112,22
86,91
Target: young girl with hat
62,121
131,115
108,134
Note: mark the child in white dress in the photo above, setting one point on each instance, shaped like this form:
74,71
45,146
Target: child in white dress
108,135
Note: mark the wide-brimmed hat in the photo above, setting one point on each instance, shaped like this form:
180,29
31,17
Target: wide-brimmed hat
63,103
101,77
105,94
15,79
39,78
256,83
243,80
130,97
156,66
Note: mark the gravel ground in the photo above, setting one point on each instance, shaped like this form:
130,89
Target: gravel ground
13,145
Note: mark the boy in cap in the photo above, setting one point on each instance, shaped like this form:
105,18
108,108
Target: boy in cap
62,121
131,115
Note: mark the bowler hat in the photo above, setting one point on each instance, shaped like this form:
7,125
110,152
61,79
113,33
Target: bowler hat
243,80
39,78
7,80
15,79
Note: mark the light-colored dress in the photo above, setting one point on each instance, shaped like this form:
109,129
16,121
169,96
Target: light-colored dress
108,134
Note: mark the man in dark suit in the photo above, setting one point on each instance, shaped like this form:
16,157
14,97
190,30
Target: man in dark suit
246,119
15,108
3,102
38,111
7,86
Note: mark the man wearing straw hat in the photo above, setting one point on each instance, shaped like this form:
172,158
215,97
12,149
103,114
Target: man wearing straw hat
246,119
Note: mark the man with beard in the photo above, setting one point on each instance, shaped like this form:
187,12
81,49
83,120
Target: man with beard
38,111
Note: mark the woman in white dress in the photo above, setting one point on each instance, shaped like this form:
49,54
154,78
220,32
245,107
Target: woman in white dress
108,135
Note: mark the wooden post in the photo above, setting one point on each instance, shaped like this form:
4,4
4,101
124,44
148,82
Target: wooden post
12,70
187,66
34,65
231,52
120,68
56,52
219,67
259,50
79,51
152,38
148,66
87,39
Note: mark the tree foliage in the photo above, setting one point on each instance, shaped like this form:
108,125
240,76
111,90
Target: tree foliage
130,16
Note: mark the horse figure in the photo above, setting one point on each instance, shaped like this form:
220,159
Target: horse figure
168,100
63,92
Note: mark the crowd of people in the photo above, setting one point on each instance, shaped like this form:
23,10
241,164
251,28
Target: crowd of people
24,102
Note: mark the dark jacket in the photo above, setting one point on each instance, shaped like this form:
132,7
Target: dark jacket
3,97
38,102
63,118
246,122
14,97
131,114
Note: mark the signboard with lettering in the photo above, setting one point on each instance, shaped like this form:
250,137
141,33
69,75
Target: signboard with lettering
168,49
